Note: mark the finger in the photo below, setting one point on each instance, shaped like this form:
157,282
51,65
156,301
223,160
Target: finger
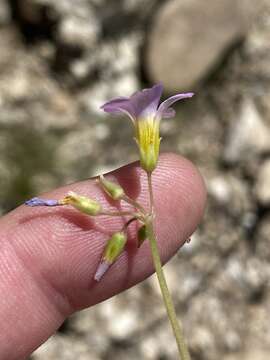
48,256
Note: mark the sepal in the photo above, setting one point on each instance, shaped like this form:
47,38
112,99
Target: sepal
82,203
114,247
115,191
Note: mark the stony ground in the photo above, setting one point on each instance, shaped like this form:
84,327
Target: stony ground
57,67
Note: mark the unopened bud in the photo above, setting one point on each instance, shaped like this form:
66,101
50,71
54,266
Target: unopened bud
82,203
113,249
142,235
115,191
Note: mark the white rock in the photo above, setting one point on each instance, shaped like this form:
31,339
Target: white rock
262,186
247,136
4,12
251,354
220,189
82,32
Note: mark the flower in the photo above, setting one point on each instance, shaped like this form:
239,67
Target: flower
145,112
41,202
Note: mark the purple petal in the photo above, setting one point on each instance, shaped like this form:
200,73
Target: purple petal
165,105
146,102
139,104
101,270
41,202
120,105
168,113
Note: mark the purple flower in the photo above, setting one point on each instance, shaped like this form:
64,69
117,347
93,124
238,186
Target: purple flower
101,270
144,110
144,103
41,202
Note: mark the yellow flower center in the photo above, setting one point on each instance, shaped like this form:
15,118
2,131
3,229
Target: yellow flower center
148,140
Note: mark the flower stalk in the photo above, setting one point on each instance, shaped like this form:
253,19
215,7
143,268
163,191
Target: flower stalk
167,299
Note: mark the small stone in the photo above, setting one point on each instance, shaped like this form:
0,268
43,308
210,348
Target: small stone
119,320
65,348
263,239
250,354
202,341
79,32
255,275
188,38
123,325
220,189
4,12
248,135
230,192
262,186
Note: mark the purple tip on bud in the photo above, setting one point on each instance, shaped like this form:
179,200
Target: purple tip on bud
41,202
102,268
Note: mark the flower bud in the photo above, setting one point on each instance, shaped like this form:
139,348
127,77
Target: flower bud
114,190
82,203
113,249
142,235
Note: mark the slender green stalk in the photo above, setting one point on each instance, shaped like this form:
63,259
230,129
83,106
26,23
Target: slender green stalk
151,195
176,325
116,213
134,203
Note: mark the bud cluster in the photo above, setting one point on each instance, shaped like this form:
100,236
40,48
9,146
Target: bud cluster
117,242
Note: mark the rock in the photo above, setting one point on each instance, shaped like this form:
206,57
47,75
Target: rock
65,348
231,194
263,240
220,189
212,324
79,32
189,38
228,189
248,135
262,186
157,344
4,12
256,276
250,354
202,342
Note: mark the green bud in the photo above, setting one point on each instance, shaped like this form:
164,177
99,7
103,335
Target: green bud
114,190
82,203
142,235
114,247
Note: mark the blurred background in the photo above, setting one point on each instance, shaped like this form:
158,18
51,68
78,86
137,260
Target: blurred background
59,61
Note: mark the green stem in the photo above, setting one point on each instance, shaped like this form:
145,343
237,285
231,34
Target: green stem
176,325
151,195
177,328
134,203
117,213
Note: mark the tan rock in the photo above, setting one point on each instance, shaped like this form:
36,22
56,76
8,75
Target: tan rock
189,37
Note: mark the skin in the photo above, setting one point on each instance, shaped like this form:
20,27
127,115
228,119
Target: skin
48,256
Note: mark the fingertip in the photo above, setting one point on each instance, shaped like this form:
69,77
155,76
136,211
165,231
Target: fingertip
180,195
185,179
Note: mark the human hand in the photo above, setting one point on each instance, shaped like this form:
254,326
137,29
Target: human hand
48,256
